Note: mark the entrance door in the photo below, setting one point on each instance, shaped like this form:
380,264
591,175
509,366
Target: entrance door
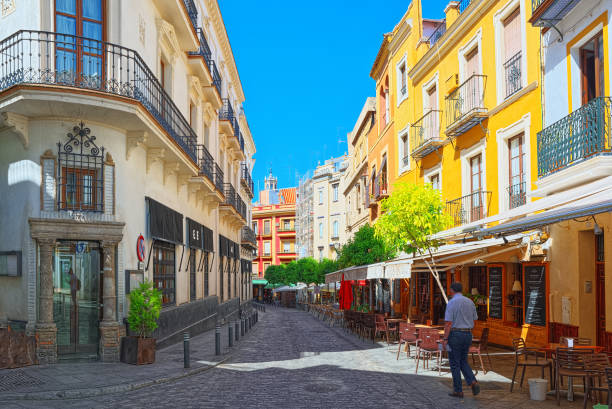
592,69
77,297
600,275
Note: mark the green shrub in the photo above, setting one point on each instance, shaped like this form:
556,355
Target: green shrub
145,306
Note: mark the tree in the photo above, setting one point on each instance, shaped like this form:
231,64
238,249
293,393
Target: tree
275,274
409,218
291,273
145,306
307,270
326,266
365,248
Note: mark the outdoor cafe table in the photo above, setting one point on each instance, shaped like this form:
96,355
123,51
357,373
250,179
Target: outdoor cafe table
549,350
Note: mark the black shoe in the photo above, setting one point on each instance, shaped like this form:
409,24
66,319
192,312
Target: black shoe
475,388
456,394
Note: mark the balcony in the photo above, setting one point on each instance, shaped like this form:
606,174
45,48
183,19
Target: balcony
234,206
227,118
512,75
576,148
229,127
438,32
33,59
203,64
219,183
183,16
517,195
246,180
380,187
546,13
286,229
206,163
248,238
469,208
465,106
426,136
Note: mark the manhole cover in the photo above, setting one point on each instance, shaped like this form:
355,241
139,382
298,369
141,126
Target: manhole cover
11,380
321,388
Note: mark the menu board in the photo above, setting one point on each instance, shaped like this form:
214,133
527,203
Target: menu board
496,297
535,294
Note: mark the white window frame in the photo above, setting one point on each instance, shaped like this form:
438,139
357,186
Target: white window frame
503,135
335,191
475,41
269,252
321,231
321,196
575,71
498,21
466,155
401,97
434,81
434,170
400,151
336,228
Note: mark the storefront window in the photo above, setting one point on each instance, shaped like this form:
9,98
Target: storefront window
164,271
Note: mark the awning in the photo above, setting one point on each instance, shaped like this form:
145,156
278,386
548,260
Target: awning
260,282
600,202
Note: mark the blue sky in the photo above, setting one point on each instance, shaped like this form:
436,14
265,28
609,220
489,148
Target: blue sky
305,68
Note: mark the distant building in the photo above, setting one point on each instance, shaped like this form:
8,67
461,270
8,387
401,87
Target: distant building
304,221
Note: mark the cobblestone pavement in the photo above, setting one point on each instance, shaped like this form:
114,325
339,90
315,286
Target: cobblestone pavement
292,360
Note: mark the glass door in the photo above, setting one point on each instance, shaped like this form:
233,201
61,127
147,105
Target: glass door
77,297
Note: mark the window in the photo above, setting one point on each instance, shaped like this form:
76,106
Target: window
476,198
403,79
255,228
516,189
193,115
206,268
472,63
286,247
335,228
404,151
164,271
286,224
358,195
266,265
432,98
321,230
79,189
387,102
192,275
512,53
435,181
320,253
255,270
478,286
335,191
266,227
80,18
320,196
592,69
266,248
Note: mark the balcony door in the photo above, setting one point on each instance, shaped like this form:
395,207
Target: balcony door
79,53
477,202
592,69
516,189
432,120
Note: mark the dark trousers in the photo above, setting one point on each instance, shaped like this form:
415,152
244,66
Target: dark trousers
459,343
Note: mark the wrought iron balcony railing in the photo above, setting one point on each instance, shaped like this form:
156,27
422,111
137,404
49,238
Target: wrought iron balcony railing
219,183
469,208
517,195
206,163
44,58
192,12
226,113
579,136
248,236
204,50
546,12
465,105
512,74
216,77
230,194
380,186
438,32
247,180
241,207
426,136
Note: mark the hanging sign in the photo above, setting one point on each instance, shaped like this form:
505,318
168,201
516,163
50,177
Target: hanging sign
140,248
80,247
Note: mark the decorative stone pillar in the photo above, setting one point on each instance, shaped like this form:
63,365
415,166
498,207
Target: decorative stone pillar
46,331
109,327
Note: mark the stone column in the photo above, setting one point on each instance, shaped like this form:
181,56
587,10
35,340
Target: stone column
46,330
109,327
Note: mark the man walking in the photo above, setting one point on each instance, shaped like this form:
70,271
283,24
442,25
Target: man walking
460,313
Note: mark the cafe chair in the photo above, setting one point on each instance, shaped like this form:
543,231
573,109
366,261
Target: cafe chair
584,341
429,346
407,336
383,328
608,376
570,363
595,366
478,347
528,357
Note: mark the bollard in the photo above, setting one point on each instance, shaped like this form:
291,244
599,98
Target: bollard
237,333
186,349
230,334
242,327
218,339
256,316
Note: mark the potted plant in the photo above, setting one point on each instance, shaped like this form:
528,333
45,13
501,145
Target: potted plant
145,306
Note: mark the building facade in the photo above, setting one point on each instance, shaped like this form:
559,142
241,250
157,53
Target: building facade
127,157
329,208
304,218
354,180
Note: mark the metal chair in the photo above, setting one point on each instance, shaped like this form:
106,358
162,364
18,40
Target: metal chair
407,337
595,366
428,347
528,357
569,363
481,345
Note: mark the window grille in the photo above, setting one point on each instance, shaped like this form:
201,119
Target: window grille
80,172
164,271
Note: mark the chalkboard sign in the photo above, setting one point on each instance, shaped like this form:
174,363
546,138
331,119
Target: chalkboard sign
496,294
535,294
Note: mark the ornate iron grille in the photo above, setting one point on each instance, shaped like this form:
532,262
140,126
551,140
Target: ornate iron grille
247,180
164,271
426,130
466,100
204,50
230,194
206,163
214,72
512,74
582,134
469,208
517,195
80,172
219,178
38,57
438,32
192,12
227,111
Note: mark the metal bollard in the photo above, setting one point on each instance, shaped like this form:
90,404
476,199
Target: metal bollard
237,333
218,339
230,333
186,349
242,327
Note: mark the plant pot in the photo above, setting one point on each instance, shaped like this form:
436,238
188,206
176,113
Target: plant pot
137,350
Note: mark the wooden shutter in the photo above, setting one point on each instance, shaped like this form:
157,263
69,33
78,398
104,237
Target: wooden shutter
512,35
472,63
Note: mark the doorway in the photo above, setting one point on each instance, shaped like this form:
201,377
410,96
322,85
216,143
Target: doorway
77,297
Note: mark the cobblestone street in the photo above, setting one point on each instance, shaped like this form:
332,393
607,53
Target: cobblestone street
292,360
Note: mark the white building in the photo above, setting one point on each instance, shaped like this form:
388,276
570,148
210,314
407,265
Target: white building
119,120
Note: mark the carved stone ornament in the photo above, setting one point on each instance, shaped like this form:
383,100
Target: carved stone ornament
8,7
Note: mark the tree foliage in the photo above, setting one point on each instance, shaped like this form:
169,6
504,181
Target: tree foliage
364,248
306,270
145,306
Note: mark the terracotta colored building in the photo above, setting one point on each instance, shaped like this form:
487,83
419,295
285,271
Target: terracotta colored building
274,226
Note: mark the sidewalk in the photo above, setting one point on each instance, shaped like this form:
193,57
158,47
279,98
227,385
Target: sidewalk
81,380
